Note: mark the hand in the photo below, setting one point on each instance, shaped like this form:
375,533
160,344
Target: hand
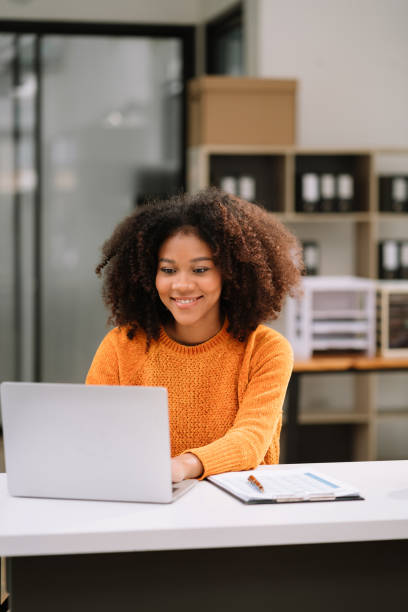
185,466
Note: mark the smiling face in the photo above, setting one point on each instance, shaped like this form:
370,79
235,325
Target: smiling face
189,285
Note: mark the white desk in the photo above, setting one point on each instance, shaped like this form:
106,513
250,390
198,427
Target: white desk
252,551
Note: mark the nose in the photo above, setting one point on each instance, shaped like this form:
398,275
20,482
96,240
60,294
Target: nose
182,282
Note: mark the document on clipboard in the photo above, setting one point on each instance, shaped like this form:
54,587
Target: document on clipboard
273,486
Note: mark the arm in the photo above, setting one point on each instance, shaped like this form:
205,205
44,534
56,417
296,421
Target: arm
259,417
104,368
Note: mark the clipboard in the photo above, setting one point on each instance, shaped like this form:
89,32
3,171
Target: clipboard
285,485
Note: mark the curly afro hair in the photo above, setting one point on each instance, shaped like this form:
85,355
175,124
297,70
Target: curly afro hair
259,259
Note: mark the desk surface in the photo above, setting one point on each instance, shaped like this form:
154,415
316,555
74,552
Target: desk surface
336,363
206,517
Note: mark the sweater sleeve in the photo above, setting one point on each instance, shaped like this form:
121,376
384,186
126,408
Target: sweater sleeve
104,368
259,416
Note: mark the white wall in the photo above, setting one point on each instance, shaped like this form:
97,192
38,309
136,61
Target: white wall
351,60
350,57
142,11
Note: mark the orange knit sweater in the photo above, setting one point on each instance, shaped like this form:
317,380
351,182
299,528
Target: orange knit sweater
225,396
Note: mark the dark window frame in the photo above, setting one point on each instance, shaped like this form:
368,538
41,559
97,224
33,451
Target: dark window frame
215,29
79,28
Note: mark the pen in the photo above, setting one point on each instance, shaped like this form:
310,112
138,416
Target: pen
253,481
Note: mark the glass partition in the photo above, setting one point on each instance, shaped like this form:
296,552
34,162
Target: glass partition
107,144
7,239
90,127
26,188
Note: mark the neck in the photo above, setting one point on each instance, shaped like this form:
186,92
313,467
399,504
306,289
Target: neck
190,335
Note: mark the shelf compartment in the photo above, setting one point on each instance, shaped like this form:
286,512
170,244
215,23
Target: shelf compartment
329,327
391,434
350,314
339,344
357,165
268,171
326,442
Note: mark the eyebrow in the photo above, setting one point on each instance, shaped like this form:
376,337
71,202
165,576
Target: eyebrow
191,260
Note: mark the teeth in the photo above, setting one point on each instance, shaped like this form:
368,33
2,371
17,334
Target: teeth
185,301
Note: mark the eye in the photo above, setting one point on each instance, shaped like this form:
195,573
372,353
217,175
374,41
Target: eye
167,270
200,270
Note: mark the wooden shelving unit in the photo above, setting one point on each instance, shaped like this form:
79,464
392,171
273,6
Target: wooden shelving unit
3,589
274,169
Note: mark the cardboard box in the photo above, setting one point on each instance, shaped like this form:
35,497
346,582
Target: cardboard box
241,111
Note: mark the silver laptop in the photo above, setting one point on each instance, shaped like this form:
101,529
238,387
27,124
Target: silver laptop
88,442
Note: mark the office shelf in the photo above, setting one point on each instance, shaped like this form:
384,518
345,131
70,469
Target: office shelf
354,217
328,417
392,413
275,170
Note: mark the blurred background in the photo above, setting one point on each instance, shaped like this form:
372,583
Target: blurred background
93,120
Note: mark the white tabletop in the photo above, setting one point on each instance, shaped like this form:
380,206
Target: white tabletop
206,517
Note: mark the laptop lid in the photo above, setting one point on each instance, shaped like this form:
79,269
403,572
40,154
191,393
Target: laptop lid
87,441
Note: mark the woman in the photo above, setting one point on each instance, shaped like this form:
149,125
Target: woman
189,282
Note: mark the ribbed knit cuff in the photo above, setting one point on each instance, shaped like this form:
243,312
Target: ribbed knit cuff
216,460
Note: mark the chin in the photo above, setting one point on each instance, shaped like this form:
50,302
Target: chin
186,320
